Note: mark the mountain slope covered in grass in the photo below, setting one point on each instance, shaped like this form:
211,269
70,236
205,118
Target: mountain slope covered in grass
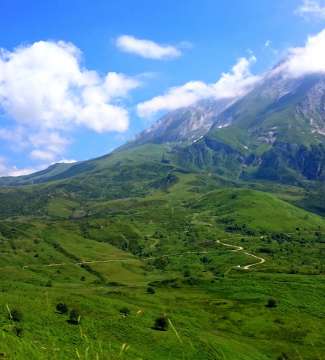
199,240
127,262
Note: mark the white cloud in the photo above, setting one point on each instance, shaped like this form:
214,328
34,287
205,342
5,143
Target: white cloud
305,60
311,8
43,155
102,115
230,85
6,170
45,91
146,48
65,161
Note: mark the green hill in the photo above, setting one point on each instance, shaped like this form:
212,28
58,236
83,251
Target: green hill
178,248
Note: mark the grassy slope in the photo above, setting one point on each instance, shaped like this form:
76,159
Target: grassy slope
218,312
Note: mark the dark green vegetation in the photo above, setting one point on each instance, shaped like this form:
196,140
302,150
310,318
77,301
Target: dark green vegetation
158,266
205,249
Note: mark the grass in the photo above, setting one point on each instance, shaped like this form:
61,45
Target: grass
165,240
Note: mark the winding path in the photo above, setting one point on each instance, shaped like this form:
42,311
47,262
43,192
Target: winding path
235,248
240,248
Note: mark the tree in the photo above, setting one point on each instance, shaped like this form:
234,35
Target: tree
74,317
62,308
205,260
18,331
151,290
15,315
125,311
161,323
271,303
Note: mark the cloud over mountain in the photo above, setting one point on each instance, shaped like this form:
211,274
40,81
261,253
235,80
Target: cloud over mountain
230,85
305,60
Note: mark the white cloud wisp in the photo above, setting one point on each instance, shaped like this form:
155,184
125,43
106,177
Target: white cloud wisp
234,84
146,48
305,60
311,9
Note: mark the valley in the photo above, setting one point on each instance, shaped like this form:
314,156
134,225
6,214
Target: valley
203,238
183,245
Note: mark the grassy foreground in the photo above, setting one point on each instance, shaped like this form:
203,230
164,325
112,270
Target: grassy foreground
122,264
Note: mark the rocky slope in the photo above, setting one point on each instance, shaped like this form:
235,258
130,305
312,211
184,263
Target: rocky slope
276,132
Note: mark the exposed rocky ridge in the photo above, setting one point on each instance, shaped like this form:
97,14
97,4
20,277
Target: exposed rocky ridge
184,125
276,132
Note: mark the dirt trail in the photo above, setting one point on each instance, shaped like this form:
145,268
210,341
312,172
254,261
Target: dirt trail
235,248
86,262
240,248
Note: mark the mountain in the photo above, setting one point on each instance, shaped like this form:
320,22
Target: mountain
51,173
187,124
180,222
276,132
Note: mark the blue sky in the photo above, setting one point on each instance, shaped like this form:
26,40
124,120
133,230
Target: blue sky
187,42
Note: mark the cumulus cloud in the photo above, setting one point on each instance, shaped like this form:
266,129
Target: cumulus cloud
230,85
311,8
146,48
305,60
7,170
46,91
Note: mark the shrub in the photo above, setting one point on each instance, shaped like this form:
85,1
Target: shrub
18,331
16,315
161,323
161,263
205,260
62,308
74,317
271,303
283,356
124,311
187,273
192,280
151,290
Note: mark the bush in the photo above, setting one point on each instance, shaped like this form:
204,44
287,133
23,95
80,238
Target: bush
187,273
161,323
16,315
151,290
74,317
18,331
205,260
125,311
271,303
62,308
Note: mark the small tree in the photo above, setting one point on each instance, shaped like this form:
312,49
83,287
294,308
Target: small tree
62,308
151,290
271,303
124,311
161,323
15,315
74,317
18,331
205,260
